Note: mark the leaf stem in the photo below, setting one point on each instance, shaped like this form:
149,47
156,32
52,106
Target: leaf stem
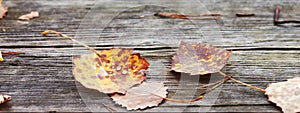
67,37
243,83
215,86
175,100
211,84
70,38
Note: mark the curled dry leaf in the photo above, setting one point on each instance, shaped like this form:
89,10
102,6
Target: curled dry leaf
29,16
286,95
142,96
199,59
115,70
3,10
4,98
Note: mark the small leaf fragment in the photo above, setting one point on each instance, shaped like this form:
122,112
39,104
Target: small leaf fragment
3,10
29,16
4,98
199,59
285,95
145,95
115,71
1,58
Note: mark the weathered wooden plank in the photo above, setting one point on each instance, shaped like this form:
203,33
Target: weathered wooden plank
40,79
35,75
257,31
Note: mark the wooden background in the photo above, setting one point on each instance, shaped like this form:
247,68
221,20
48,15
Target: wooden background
40,79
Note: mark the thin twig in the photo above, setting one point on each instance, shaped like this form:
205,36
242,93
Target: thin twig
9,53
248,85
190,16
6,54
276,18
276,14
244,14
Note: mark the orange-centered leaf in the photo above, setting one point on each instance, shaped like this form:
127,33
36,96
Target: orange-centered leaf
199,59
115,70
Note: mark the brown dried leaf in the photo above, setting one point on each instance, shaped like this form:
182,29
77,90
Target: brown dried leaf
3,10
4,98
142,96
117,71
199,59
29,16
286,95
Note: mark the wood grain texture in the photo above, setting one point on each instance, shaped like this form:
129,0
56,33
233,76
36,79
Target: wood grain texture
40,79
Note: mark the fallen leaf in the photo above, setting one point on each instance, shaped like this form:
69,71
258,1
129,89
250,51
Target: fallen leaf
286,95
117,71
142,96
3,10
1,59
4,98
199,59
29,16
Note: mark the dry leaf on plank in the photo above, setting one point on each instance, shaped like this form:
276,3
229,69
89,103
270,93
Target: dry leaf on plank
3,10
286,95
108,71
199,59
115,70
29,16
143,96
4,98
1,58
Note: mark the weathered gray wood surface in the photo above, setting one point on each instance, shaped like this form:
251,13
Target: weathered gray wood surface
40,79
